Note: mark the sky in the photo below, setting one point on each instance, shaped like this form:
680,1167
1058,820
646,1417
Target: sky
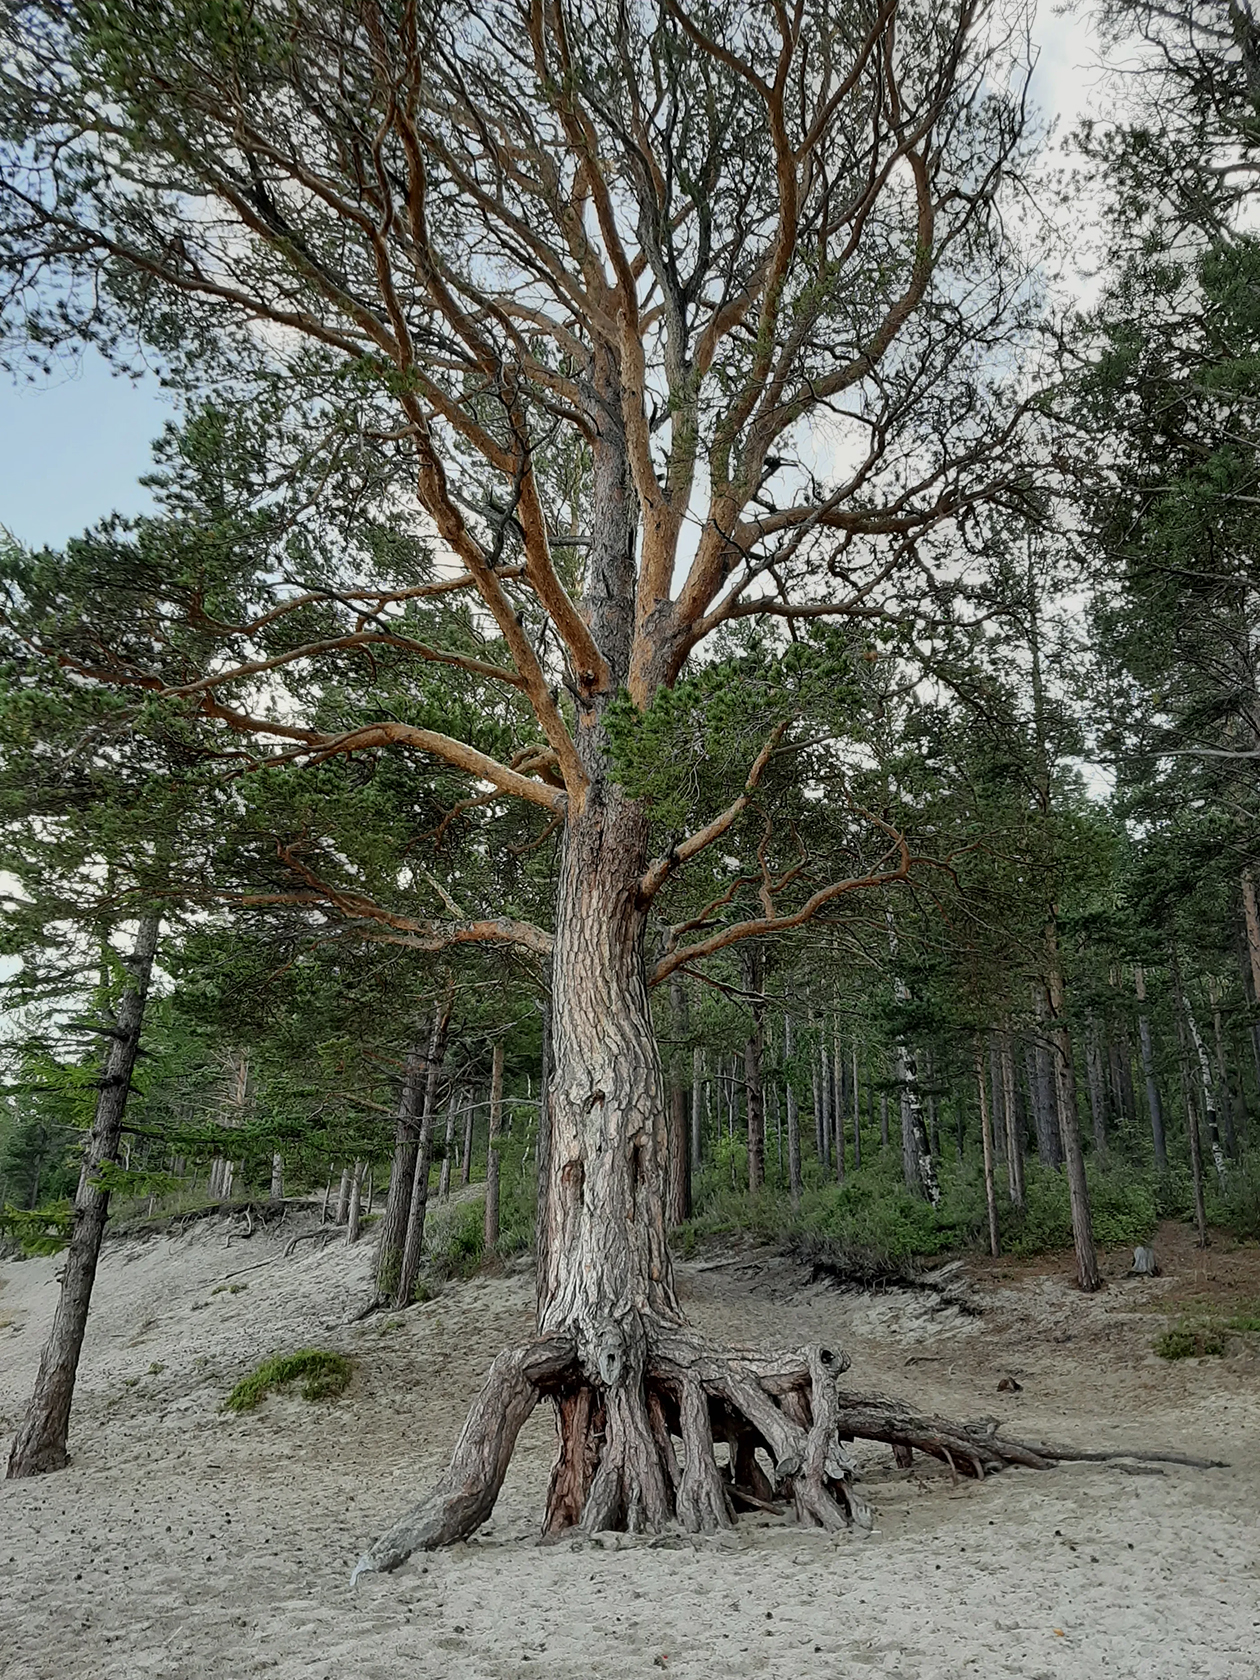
72,450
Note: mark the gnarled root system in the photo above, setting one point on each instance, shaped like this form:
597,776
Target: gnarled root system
692,1436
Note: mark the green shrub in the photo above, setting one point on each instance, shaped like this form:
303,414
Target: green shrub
323,1375
1187,1343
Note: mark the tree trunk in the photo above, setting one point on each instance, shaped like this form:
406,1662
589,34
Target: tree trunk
419,1200
492,1149
41,1441
917,1162
448,1144
277,1177
754,1100
1187,1094
466,1148
857,1112
1097,1086
1087,1273
1049,1145
1209,1093
824,1102
986,1142
793,1119
356,1199
679,1203
402,1171
697,1114
1153,1102
1222,1071
343,1197
1014,1140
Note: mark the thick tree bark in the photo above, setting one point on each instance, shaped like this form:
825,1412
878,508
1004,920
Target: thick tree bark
1087,1274
413,1245
41,1442
492,1149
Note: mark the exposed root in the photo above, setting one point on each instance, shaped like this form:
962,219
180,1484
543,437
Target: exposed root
637,1442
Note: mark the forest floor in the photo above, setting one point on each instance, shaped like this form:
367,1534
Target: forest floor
192,1544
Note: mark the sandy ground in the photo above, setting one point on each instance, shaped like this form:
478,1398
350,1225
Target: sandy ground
184,1542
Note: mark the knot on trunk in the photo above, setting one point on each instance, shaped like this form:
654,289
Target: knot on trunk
611,1355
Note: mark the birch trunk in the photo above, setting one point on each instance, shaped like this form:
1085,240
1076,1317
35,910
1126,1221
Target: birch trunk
41,1442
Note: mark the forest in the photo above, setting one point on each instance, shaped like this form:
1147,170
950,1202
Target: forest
692,677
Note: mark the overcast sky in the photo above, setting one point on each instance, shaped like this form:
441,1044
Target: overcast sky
71,451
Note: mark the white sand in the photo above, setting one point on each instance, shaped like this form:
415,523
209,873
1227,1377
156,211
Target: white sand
184,1543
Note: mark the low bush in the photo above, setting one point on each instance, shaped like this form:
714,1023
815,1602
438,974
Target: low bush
323,1376
1183,1342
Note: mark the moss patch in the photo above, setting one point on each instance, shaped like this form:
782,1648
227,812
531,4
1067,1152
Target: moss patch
323,1376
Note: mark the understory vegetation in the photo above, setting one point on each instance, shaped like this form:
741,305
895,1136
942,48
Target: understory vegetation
323,1376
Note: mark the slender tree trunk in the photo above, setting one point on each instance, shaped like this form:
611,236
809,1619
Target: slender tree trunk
824,1102
41,1440
356,1199
448,1144
997,1116
1087,1273
402,1171
697,1111
343,1197
1209,1093
1222,1070
543,1176
679,1198
1154,1105
492,1149
793,1119
857,1112
1014,1141
470,1114
986,1142
1049,1144
840,1102
1187,1094
1097,1087
277,1177
918,1165
413,1245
